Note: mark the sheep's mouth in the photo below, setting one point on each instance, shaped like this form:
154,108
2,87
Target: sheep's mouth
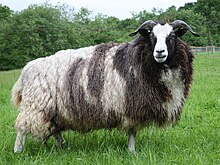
161,56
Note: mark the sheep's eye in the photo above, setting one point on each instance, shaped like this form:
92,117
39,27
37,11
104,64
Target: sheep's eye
172,36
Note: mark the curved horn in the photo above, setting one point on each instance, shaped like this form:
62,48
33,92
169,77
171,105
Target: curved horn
147,25
181,24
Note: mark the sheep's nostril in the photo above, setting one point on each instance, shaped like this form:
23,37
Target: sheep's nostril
160,51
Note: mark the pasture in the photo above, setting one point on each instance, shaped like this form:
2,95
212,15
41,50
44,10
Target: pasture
194,140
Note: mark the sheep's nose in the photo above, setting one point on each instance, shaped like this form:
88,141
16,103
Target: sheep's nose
160,51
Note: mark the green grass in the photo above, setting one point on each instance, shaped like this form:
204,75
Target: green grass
194,140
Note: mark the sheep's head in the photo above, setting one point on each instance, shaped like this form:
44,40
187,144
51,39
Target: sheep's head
163,36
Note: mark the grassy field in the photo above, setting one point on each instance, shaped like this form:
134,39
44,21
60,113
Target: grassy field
194,140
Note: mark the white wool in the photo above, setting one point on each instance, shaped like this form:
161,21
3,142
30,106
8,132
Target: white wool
42,80
114,86
173,81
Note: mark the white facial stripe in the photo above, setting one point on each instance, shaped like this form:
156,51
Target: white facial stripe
162,30
160,50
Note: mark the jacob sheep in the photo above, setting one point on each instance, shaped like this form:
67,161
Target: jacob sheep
127,86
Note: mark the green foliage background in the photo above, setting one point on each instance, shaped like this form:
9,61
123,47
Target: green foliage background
41,30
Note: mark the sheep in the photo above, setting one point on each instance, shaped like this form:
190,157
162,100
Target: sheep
127,86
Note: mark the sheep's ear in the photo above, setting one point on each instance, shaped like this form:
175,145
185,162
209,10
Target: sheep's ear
180,32
143,32
144,29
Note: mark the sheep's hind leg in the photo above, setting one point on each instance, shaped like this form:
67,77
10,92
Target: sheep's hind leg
19,142
59,139
131,140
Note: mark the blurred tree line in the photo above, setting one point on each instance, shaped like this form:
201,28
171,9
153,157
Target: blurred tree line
41,30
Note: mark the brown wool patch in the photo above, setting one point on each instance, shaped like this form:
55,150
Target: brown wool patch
96,69
88,116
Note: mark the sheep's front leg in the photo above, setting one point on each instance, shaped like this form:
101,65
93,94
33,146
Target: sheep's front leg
131,140
19,142
59,139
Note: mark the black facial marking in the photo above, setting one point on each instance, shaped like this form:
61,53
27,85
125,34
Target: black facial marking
153,40
171,45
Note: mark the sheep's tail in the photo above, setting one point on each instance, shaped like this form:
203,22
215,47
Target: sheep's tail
16,92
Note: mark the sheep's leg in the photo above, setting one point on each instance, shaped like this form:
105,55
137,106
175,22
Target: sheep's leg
19,142
59,139
150,131
131,140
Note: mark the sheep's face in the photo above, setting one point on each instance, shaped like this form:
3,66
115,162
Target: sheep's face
163,37
162,41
